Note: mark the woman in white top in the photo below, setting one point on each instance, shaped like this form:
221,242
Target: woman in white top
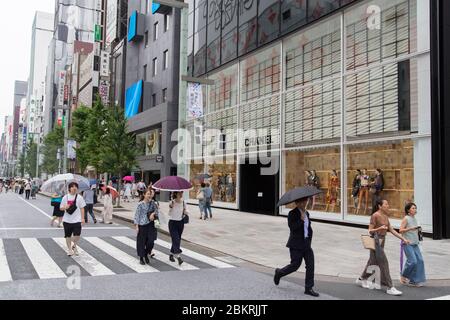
176,225
107,207
73,222
127,193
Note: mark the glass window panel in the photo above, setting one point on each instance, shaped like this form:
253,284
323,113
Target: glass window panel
319,167
268,20
293,14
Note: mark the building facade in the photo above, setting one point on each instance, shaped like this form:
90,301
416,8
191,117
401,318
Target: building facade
20,95
318,89
152,82
73,58
42,33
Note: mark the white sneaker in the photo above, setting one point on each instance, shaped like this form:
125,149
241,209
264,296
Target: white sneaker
70,253
374,286
362,283
394,292
75,251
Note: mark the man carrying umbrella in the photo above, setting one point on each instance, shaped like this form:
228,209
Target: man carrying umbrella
300,238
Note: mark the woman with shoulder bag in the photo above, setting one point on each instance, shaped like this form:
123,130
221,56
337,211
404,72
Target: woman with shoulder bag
178,217
144,220
201,200
414,271
379,226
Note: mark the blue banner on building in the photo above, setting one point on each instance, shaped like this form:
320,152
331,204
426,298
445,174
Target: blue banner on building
133,98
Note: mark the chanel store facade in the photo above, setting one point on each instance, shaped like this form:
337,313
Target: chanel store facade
341,92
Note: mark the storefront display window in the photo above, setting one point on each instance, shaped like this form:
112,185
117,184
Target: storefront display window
223,182
319,167
394,181
149,143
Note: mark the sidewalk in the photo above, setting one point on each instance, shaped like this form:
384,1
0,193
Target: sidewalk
262,239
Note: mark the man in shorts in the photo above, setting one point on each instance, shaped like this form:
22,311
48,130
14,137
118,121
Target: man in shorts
73,222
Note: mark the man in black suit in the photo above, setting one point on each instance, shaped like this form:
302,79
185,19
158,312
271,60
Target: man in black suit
299,245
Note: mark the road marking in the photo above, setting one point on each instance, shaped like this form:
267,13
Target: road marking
5,274
120,256
59,229
36,208
85,260
441,298
44,265
197,256
158,255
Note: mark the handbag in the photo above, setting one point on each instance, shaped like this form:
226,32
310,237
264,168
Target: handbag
201,196
73,207
368,242
185,216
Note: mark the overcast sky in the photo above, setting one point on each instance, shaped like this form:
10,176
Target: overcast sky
16,21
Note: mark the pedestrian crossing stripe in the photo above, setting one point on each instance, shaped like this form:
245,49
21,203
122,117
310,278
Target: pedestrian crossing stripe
43,258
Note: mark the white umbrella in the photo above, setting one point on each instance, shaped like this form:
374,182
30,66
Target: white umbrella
60,182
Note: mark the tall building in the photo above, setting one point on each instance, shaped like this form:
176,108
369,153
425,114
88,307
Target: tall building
321,89
42,33
20,95
71,57
152,82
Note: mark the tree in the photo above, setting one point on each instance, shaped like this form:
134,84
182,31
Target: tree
31,159
21,165
118,151
96,133
52,142
79,132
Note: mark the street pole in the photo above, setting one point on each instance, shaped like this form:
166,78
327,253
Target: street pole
37,161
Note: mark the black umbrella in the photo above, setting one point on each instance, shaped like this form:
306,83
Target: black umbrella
297,194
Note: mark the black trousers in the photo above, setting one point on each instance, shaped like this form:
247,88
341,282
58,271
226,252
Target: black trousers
27,194
297,257
176,229
145,241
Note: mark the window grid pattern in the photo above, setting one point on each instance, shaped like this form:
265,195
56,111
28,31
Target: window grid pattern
267,117
224,120
366,46
372,101
313,113
261,79
223,94
314,60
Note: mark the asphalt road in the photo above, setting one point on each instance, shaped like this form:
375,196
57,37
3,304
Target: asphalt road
33,265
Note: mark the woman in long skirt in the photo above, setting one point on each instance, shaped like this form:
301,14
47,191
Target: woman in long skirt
144,220
107,207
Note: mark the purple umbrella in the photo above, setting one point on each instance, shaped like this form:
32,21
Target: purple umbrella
172,184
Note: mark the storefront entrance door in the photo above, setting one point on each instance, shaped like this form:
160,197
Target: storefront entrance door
258,193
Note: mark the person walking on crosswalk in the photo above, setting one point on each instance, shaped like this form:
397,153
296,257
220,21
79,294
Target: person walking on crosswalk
177,218
144,220
74,206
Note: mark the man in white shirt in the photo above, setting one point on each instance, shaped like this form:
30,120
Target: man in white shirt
73,222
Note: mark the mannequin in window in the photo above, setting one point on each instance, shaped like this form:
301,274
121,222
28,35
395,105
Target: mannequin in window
313,181
230,188
364,191
377,186
356,186
332,194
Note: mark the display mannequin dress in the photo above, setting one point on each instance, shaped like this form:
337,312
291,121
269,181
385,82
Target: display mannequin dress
332,195
364,192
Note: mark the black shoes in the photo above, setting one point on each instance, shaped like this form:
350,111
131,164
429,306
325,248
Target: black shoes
312,293
277,277
147,260
172,259
142,262
180,261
